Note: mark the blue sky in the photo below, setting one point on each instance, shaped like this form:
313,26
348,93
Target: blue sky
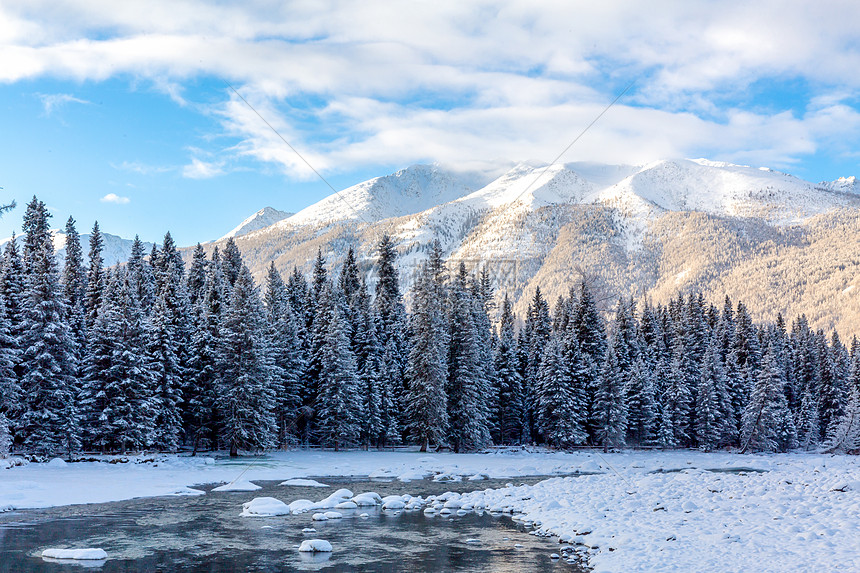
119,112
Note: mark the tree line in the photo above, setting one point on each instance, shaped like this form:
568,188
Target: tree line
151,355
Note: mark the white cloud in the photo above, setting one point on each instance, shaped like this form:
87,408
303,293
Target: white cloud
198,169
52,102
467,81
141,168
114,198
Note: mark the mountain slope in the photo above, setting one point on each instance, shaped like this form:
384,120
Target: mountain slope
407,191
644,231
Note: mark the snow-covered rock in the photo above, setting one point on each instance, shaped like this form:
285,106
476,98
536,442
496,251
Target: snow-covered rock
315,546
264,507
367,499
240,485
302,482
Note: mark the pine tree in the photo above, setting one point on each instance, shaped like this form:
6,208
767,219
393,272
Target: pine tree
285,354
591,335
117,381
35,227
246,399
675,419
846,437
74,281
317,333
425,398
392,332
5,437
202,415
559,401
338,383
466,389
164,364
302,305
376,406
13,291
196,279
767,424
231,263
611,414
641,410
509,384
141,276
95,280
50,420
11,398
833,373
711,401
537,331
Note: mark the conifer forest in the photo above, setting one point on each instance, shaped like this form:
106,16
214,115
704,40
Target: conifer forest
150,355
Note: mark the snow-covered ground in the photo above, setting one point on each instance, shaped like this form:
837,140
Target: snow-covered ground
639,511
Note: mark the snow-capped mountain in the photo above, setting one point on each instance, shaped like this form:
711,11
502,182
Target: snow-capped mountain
753,233
115,249
259,220
405,192
843,184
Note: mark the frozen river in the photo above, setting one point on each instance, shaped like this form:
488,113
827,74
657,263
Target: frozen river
206,533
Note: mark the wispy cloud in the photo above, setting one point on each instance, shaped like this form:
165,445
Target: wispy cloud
141,168
512,78
114,198
53,102
198,169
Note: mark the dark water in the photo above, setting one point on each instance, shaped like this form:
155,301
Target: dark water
205,533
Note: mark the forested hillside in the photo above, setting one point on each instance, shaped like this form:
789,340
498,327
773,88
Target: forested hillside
155,354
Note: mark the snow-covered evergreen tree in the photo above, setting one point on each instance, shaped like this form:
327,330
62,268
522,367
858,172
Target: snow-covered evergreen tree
286,355
846,437
711,401
388,304
641,410
11,397
510,412
591,334
5,437
141,275
202,413
95,278
767,424
832,378
196,278
558,393
611,412
337,400
467,396
376,406
231,261
537,332
74,281
425,398
117,385
246,399
164,364
49,422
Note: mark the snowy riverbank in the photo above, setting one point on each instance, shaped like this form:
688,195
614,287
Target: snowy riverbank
798,512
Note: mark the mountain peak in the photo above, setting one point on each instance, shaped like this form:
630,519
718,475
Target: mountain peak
843,185
259,220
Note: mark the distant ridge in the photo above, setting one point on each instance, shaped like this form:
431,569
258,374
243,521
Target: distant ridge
777,242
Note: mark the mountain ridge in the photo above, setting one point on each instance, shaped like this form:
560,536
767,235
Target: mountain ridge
647,231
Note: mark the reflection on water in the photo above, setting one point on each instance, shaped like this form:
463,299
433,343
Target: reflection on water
206,534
